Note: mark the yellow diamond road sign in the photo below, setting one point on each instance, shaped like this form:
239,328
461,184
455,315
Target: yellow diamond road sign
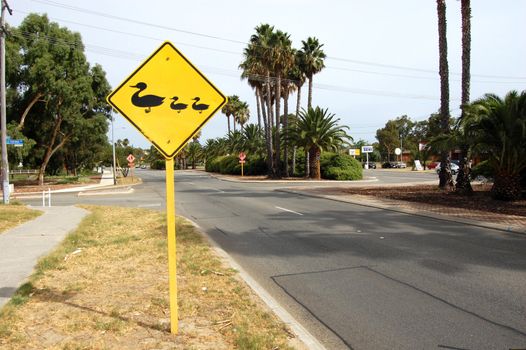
167,99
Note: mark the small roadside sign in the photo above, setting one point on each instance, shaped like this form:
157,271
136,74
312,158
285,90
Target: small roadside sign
354,152
367,149
130,158
15,142
242,156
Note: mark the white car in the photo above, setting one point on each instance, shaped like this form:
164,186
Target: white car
454,168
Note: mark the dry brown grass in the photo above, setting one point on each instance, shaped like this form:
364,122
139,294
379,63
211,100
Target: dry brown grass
14,215
106,287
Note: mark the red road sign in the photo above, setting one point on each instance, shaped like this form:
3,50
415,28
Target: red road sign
242,155
130,158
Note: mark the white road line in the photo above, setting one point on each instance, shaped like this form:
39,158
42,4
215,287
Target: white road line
149,205
290,211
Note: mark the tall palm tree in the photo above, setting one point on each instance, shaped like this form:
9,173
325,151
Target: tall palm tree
313,56
242,113
298,77
317,130
445,178
229,108
463,184
499,126
282,59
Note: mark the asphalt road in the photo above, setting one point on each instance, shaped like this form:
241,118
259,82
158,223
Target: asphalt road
358,277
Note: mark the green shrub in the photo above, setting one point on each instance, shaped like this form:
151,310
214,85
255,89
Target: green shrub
212,165
230,165
340,167
158,164
482,169
255,166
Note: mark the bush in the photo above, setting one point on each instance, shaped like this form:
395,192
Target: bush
255,166
340,167
482,169
158,164
212,165
230,165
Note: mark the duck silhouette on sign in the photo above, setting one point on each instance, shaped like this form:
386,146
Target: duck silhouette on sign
147,101
199,107
177,106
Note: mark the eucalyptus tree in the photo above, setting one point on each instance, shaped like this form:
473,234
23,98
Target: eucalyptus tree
317,130
56,92
313,61
445,178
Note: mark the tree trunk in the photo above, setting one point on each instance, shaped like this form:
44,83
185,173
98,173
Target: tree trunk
28,108
463,185
309,100
506,187
50,150
277,138
268,142
307,164
234,122
314,163
258,106
285,132
445,179
270,122
228,118
298,101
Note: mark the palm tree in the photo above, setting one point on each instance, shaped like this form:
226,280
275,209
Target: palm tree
281,60
463,185
499,126
242,113
445,179
316,131
194,152
297,76
313,57
253,142
229,108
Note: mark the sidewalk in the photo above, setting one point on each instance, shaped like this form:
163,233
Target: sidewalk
22,246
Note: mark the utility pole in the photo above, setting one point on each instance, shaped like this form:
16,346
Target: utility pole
3,123
113,149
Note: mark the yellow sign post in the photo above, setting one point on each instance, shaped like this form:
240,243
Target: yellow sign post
168,100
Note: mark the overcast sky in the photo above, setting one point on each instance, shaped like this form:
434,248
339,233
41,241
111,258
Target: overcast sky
382,54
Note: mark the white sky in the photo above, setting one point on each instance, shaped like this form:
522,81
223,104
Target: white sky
362,39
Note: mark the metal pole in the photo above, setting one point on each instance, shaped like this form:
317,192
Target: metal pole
113,148
3,123
172,260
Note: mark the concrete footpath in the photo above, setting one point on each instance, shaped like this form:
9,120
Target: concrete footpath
22,246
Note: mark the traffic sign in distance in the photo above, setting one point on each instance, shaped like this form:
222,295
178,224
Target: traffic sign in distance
367,149
167,99
242,155
130,158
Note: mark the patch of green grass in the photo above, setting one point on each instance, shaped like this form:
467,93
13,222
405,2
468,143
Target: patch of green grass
22,294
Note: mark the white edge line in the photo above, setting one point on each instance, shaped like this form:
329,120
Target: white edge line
288,210
303,334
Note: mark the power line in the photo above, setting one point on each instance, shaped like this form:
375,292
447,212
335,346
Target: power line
96,13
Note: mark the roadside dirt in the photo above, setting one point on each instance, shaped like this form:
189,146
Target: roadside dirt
430,194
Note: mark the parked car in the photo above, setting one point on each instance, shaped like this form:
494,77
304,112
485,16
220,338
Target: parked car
372,165
400,165
454,168
388,165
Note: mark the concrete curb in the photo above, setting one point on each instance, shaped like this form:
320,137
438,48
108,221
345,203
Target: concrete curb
303,334
500,227
327,182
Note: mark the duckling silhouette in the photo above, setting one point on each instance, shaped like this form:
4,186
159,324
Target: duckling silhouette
198,107
177,106
147,101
